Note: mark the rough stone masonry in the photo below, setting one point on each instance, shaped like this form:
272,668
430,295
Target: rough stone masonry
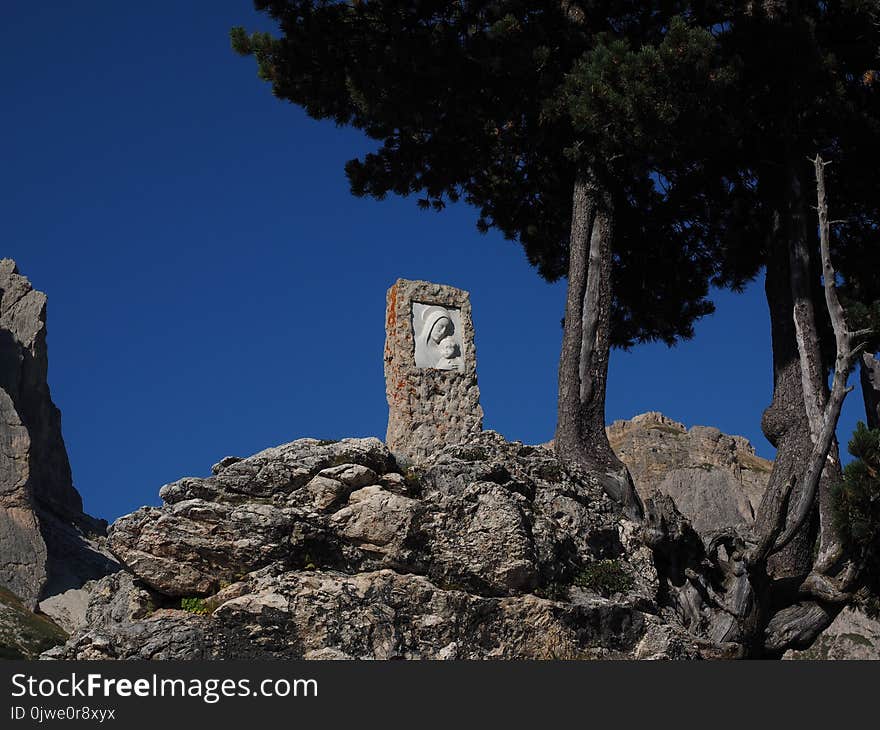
430,368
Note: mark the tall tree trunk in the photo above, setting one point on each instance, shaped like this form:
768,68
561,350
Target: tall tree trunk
766,593
797,390
870,378
825,590
583,366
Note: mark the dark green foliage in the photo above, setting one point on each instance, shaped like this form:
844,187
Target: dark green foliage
857,503
626,101
605,577
695,114
500,103
807,84
194,605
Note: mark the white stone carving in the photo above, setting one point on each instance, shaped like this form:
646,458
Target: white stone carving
437,335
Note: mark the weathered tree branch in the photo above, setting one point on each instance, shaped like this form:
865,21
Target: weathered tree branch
589,310
847,351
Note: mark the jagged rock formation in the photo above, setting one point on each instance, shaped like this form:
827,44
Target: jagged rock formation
326,550
47,544
329,550
716,480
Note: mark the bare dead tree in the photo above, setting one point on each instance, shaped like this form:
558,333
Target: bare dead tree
723,591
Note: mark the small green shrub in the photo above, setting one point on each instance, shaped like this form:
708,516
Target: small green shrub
605,577
553,591
194,605
23,634
857,507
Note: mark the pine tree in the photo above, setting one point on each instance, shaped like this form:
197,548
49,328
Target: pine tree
577,139
857,505
804,86
643,151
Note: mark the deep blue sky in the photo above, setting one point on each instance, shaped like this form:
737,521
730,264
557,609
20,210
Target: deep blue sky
214,288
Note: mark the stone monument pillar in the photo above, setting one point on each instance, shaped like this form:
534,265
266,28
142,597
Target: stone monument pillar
430,368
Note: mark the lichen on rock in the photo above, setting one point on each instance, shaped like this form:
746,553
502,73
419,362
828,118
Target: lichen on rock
475,554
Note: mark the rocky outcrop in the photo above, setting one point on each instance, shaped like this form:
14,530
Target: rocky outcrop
327,550
716,480
333,550
47,544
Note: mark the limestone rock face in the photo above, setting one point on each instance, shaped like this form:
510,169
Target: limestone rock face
716,480
47,543
487,549
433,399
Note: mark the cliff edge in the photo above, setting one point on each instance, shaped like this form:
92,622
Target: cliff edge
48,545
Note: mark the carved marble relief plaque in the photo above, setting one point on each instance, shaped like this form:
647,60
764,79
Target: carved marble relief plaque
437,336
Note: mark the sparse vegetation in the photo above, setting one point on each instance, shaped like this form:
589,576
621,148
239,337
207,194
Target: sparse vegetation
195,605
605,577
857,507
471,453
23,634
412,479
667,429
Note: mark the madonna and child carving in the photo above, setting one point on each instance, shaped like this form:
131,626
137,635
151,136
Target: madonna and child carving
437,334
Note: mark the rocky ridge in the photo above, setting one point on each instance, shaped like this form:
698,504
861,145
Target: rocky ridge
716,480
333,550
490,549
327,550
